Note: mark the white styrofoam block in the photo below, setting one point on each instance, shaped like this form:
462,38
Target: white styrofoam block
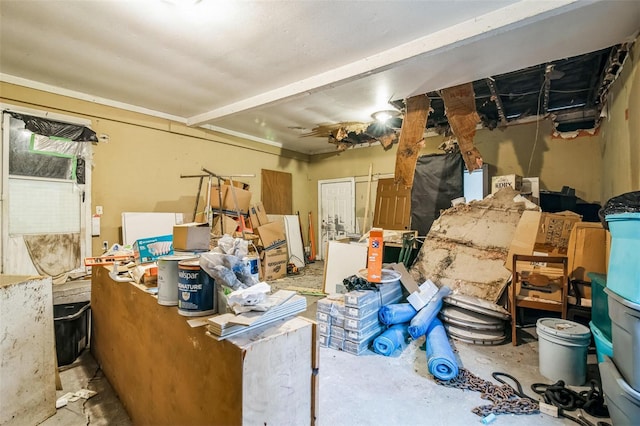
419,299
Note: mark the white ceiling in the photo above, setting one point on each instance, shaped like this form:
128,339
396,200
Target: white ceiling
274,70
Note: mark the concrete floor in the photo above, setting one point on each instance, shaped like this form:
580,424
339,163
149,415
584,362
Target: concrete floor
359,390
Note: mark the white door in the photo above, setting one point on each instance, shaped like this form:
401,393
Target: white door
46,200
337,213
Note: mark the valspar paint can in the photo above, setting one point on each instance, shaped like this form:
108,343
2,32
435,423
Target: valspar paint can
196,290
168,279
252,263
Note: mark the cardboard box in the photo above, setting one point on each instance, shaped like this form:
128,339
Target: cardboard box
587,250
541,233
272,235
217,193
241,196
274,263
374,255
236,183
191,236
229,225
499,182
228,193
258,215
150,249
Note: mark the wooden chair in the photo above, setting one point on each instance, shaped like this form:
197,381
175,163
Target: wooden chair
537,280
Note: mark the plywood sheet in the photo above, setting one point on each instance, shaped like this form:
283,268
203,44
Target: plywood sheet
277,192
460,107
411,139
27,345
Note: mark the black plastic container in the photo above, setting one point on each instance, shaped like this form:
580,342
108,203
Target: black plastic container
72,325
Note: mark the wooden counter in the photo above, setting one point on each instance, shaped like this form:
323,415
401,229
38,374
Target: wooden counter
168,373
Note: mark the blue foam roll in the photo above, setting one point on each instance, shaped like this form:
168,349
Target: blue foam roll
420,323
441,360
393,338
396,313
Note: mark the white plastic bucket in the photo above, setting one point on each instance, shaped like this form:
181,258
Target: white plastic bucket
562,350
168,279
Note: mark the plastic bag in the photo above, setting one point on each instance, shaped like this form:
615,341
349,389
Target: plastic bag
233,246
625,203
225,265
249,299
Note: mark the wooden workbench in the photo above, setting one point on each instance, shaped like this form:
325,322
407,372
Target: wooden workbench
168,373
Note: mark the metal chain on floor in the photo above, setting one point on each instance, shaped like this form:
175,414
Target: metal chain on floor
505,399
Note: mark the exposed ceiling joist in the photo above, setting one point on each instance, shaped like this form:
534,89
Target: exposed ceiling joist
495,96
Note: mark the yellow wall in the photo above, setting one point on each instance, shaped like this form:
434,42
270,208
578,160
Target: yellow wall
620,131
139,168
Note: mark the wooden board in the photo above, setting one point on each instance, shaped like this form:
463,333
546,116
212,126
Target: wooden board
342,260
165,372
411,139
460,107
277,192
393,206
27,345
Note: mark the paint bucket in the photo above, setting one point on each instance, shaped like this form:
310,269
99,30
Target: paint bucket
562,350
168,279
196,290
252,262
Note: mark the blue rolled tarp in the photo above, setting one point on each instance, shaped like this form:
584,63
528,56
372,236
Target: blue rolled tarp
420,323
393,338
396,313
441,360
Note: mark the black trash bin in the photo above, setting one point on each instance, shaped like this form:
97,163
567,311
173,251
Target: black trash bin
72,325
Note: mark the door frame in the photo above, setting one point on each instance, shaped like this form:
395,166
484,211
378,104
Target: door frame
352,181
85,216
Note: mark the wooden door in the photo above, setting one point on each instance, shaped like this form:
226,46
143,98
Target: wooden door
393,206
277,192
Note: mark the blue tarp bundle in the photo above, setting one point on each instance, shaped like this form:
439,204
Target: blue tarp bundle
393,338
441,360
396,313
420,323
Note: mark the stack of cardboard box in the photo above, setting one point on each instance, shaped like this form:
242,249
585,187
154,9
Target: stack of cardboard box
274,256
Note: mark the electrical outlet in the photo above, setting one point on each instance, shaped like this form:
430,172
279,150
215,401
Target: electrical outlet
105,245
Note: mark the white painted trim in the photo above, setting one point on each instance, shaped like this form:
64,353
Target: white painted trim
86,97
45,114
240,135
4,178
520,14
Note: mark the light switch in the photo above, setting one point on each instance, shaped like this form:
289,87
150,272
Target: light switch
98,210
95,225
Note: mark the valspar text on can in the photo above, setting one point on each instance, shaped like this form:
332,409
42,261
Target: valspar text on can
196,290
253,265
168,279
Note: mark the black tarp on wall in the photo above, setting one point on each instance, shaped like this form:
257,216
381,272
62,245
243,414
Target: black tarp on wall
437,181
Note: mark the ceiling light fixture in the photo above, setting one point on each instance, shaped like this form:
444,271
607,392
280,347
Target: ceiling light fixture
384,116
